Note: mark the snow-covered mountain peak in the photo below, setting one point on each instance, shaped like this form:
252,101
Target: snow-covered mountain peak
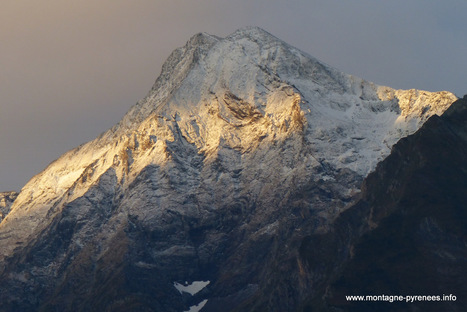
247,113
174,71
254,34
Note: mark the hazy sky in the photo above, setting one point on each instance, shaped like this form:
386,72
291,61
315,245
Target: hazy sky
69,70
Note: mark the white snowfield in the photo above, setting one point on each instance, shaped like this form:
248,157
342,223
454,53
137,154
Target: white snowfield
234,99
192,288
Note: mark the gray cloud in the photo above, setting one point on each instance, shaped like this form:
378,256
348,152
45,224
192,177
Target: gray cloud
70,70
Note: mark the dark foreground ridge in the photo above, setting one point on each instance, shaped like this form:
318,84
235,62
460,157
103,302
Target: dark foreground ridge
408,233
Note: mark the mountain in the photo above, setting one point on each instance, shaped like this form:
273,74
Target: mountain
209,187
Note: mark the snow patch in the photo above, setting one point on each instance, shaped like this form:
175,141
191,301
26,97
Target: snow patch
198,307
192,288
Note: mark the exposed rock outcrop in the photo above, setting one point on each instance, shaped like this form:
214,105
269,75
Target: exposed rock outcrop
6,200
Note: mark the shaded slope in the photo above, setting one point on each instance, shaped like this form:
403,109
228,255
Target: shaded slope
408,233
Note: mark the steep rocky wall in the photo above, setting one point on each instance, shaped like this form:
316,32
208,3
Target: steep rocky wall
407,235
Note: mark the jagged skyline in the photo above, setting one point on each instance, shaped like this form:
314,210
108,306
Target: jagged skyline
71,71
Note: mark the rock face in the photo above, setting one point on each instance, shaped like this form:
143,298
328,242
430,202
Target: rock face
6,200
243,148
407,235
